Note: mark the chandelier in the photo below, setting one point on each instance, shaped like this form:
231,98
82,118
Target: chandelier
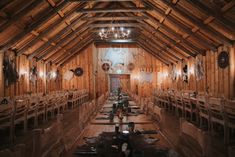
114,33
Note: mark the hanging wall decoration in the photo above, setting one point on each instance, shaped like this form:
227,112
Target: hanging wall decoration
185,73
199,69
131,66
78,71
223,59
105,66
173,73
68,75
33,74
9,68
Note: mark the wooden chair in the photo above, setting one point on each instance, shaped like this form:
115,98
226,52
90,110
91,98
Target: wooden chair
229,111
32,110
20,112
189,109
216,112
203,111
6,115
179,105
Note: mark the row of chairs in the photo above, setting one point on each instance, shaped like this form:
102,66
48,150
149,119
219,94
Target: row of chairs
25,108
77,97
206,111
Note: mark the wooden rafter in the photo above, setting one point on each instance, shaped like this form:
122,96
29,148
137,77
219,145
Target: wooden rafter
99,25
32,27
48,30
143,46
115,18
199,24
203,42
216,15
56,37
114,10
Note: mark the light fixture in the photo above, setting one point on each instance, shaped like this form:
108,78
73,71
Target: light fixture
114,33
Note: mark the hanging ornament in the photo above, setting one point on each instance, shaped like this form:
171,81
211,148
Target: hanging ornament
33,74
68,75
223,59
131,66
185,73
199,70
78,71
105,66
173,74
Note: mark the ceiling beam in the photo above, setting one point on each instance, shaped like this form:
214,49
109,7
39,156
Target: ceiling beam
116,41
101,0
44,18
73,35
116,18
73,50
204,28
140,44
201,41
19,15
102,25
158,50
54,38
76,53
157,32
49,29
216,15
113,10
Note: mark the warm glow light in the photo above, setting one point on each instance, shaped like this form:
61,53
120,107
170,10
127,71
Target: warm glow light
23,72
53,74
41,74
119,71
191,70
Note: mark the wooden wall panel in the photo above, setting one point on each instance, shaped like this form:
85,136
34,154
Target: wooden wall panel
85,61
219,82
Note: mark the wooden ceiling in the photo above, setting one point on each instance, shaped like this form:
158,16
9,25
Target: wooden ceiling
172,30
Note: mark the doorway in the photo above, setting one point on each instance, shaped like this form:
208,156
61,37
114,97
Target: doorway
119,80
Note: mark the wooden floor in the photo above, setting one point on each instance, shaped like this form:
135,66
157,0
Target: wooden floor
98,126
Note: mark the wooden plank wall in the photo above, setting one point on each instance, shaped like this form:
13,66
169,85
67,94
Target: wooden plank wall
144,62
220,82
24,85
85,61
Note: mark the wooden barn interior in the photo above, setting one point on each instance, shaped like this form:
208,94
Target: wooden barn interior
117,78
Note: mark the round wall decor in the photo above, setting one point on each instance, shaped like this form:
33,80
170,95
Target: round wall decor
105,66
223,59
78,71
131,66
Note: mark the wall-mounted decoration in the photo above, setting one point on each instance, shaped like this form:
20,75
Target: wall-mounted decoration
78,71
185,73
131,66
146,77
199,69
68,75
173,73
223,59
106,66
9,68
33,74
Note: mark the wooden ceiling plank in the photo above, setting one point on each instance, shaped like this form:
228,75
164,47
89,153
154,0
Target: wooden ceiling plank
173,33
165,36
115,18
167,63
54,38
203,27
166,45
99,25
76,53
68,38
4,3
114,10
32,27
101,0
159,51
72,51
18,16
77,39
216,15
48,30
181,26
